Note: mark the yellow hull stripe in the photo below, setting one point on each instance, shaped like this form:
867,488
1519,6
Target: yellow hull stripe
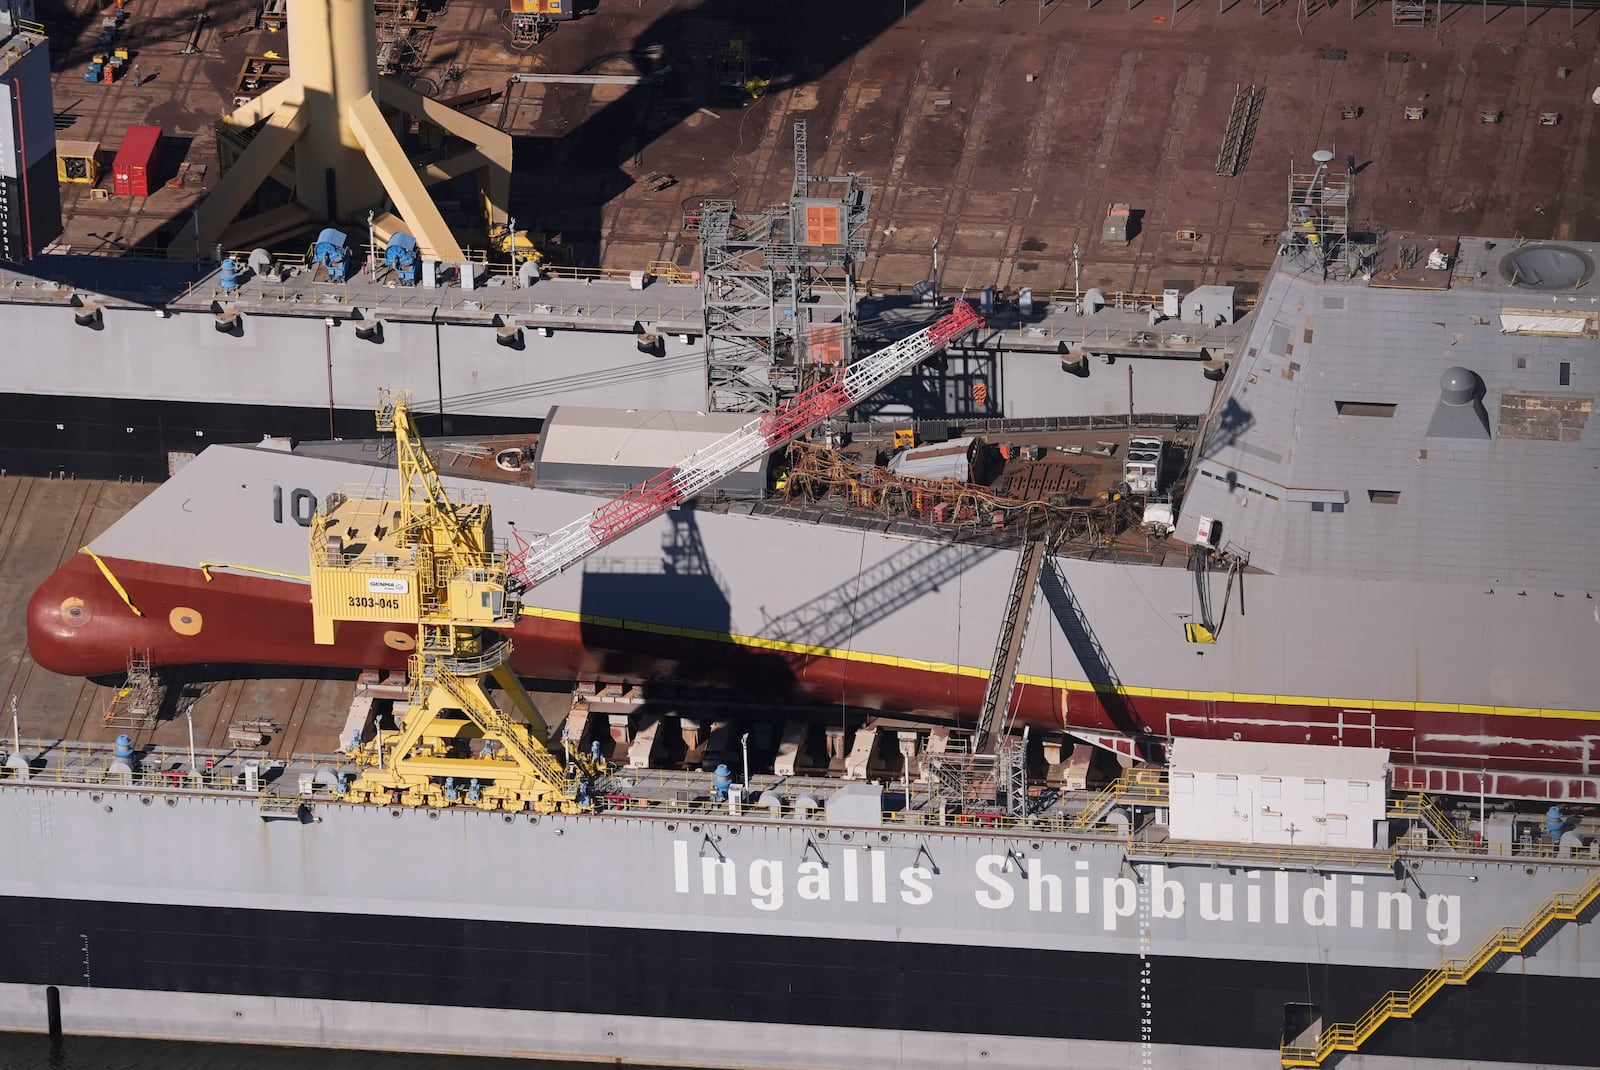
862,657
116,585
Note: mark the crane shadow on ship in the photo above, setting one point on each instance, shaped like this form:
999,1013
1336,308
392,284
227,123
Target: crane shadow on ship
1230,424
701,669
1105,686
697,650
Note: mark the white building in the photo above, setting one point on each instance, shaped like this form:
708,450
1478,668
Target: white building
1280,793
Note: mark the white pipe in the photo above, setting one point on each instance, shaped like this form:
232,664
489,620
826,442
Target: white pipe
188,712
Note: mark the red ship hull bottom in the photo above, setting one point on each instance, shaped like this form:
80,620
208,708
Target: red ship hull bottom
79,625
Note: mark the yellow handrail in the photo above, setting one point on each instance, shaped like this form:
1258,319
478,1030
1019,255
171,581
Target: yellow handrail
1422,808
1146,786
671,272
1507,940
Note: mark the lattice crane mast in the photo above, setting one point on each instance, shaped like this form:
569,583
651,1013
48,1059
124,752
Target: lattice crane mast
547,555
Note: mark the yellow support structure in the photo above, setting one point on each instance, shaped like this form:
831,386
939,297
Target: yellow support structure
1507,940
423,560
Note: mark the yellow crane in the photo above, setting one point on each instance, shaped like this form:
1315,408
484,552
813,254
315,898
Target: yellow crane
425,560
420,559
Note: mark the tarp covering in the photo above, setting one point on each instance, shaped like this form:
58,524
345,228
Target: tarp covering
1572,325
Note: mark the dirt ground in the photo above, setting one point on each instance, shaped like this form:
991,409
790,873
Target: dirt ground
996,133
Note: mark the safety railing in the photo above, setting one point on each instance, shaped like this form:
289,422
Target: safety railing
1507,940
270,805
481,664
1142,787
1263,855
1127,300
667,271
154,773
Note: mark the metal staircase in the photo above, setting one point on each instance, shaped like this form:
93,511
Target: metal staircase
1507,940
1140,787
1422,809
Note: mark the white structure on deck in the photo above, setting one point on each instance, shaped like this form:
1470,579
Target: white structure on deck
1297,795
606,451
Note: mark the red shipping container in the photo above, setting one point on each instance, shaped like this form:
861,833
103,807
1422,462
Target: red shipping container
133,171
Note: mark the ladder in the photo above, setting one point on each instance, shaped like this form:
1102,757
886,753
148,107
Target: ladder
1240,133
1507,940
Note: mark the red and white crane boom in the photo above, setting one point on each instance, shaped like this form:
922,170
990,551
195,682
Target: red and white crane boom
547,555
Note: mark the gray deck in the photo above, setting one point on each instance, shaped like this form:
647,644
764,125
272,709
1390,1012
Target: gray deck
1508,511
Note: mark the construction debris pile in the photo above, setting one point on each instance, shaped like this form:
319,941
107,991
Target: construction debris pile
818,472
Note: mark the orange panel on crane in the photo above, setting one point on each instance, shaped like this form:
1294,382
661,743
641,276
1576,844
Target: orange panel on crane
827,344
822,225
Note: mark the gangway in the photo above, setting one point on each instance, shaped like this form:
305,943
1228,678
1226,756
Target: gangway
1507,940
1010,756
995,768
994,714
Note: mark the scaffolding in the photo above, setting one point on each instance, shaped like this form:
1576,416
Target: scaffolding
138,700
778,288
967,781
1319,213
